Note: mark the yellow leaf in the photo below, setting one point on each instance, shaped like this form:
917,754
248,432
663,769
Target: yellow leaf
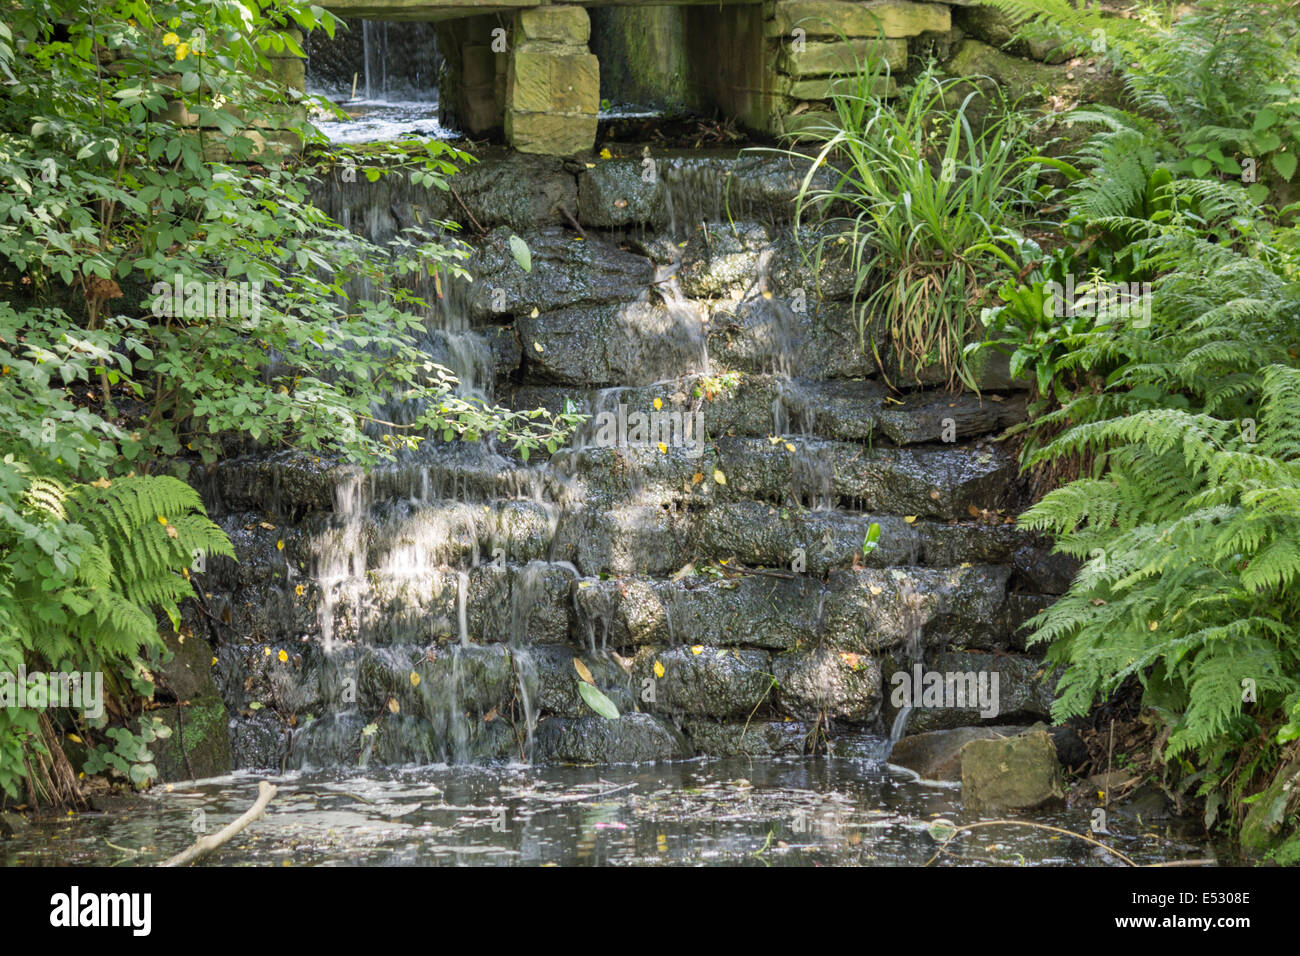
583,672
659,669
74,738
965,564
415,679
789,447
1153,625
279,546
267,525
663,449
534,314
719,477
102,483
774,439
658,403
606,154
909,518
394,706
284,657
214,662
875,589
537,347
162,520
697,650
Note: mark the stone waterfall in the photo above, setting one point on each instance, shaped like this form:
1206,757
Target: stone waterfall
716,590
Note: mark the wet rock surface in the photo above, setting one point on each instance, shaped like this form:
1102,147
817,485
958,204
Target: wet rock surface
754,529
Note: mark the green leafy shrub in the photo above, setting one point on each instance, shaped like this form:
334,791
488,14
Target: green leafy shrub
111,390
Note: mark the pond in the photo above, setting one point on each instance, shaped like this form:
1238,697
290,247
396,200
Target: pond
734,811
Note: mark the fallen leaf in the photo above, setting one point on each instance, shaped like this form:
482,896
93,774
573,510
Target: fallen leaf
659,669
719,477
415,679
582,670
393,705
697,650
598,702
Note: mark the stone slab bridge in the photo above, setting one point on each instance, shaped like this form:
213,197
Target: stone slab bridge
527,66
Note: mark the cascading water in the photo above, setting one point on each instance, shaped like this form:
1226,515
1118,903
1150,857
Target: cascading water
913,610
383,75
449,592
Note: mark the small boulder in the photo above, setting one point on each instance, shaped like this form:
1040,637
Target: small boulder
937,755
1015,773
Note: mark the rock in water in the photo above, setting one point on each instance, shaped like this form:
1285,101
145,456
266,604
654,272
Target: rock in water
937,755
1016,773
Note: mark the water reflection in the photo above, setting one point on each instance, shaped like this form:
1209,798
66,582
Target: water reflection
770,812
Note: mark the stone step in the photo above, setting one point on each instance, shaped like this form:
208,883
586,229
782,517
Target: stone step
857,610
1023,692
277,602
290,485
941,483
765,404
679,188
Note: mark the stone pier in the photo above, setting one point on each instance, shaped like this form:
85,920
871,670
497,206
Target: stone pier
553,82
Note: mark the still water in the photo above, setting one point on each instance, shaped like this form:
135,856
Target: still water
736,811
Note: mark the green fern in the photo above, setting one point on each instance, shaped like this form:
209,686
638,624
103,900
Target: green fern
1190,530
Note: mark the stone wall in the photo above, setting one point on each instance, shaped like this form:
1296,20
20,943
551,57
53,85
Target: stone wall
717,590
